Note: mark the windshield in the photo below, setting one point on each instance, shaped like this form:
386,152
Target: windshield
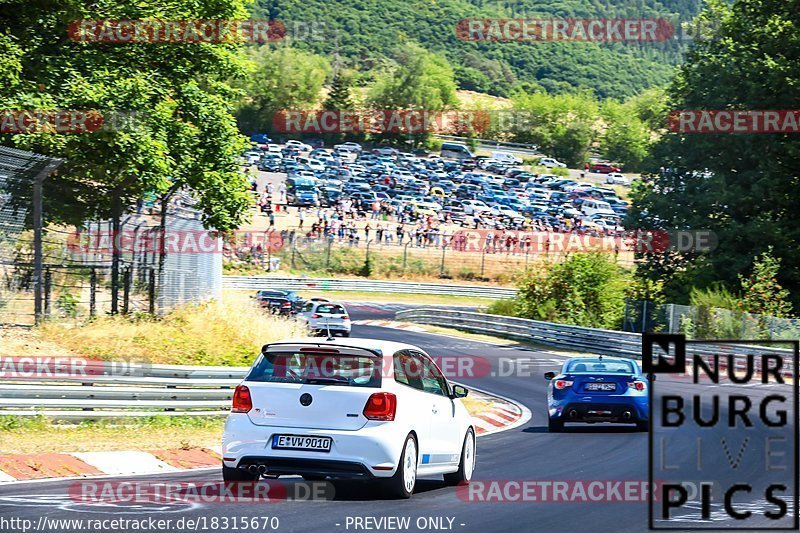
592,366
331,309
317,369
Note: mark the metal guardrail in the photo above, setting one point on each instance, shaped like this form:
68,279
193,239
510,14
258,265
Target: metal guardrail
254,283
164,390
576,338
530,149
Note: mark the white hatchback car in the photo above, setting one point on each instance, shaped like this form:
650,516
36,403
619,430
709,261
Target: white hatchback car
348,409
325,317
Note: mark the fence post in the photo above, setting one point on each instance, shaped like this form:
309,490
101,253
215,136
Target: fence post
48,287
405,255
152,291
38,223
328,254
126,289
93,293
293,250
483,261
644,316
441,268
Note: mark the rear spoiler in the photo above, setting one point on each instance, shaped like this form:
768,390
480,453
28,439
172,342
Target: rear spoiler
293,346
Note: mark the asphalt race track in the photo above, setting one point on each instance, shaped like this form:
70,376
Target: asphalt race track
526,453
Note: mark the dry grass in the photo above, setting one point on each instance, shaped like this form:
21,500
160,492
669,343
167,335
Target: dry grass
214,333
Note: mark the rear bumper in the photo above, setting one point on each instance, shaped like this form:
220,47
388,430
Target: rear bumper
353,454
288,466
623,411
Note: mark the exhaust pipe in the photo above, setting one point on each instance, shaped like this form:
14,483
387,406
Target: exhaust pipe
626,415
262,469
253,469
573,413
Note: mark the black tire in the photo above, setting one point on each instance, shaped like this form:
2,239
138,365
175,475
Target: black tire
643,425
345,334
555,426
238,474
462,476
396,486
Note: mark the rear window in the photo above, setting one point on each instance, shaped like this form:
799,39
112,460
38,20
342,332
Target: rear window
592,366
331,309
317,369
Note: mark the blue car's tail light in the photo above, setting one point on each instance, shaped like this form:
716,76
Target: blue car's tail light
638,385
562,384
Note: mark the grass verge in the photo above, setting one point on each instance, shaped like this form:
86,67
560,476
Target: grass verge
228,333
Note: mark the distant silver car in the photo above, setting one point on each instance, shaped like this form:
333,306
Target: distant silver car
617,178
324,317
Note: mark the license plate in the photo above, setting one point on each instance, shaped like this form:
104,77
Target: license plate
302,442
601,386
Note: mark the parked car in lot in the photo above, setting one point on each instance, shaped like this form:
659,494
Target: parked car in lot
603,168
549,162
348,147
326,317
361,409
597,389
592,207
297,145
617,178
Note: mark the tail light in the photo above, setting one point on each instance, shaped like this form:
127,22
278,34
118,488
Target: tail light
562,384
242,402
381,406
315,315
638,385
345,317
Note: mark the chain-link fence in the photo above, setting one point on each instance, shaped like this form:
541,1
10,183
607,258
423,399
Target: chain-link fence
55,271
463,255
707,323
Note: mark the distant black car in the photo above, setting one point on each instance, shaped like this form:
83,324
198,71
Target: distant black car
296,301
278,306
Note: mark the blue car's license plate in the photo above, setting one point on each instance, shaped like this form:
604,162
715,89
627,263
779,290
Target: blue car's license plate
600,386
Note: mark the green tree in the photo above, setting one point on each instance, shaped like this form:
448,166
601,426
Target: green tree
340,96
626,138
761,292
180,130
586,289
563,126
421,80
281,78
743,186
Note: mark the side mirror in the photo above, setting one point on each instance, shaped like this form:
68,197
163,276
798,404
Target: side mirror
459,391
549,375
651,377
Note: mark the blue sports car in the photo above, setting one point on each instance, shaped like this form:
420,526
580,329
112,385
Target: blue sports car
597,389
